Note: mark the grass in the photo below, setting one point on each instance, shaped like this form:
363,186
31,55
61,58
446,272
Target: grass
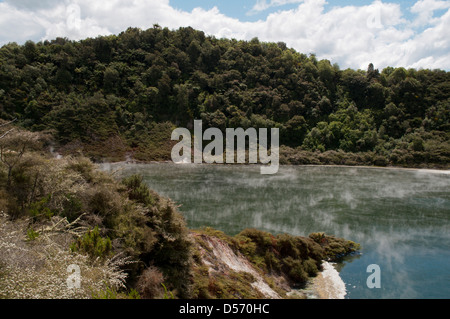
38,269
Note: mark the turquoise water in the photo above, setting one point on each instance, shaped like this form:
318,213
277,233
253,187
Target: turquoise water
400,217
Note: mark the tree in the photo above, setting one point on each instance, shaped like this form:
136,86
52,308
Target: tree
295,130
111,79
30,51
13,145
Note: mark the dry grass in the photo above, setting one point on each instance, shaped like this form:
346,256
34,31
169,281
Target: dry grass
38,268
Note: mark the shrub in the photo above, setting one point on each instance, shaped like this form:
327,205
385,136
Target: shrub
333,247
84,167
93,244
138,191
32,234
200,281
40,209
104,200
310,266
72,207
38,269
150,283
287,247
163,238
294,270
113,293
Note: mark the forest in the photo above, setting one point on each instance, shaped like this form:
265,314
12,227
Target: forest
120,96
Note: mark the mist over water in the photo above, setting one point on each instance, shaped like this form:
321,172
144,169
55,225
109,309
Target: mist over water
400,217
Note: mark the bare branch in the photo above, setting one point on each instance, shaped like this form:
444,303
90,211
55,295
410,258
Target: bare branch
6,133
4,124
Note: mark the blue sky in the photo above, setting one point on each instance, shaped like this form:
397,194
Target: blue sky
241,9
351,33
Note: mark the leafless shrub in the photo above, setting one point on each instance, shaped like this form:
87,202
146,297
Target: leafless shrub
150,282
37,269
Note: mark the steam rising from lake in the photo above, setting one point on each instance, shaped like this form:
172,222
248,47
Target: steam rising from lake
401,217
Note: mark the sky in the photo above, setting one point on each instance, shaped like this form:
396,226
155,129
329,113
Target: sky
397,33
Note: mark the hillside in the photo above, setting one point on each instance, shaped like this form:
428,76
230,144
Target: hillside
120,97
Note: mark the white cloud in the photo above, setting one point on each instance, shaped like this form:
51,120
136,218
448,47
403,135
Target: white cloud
33,4
352,36
425,10
17,25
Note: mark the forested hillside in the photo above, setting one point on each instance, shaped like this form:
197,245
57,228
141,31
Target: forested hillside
122,95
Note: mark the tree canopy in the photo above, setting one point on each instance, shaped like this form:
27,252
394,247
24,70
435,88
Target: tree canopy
124,93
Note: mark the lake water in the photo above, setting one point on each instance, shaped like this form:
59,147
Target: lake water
400,217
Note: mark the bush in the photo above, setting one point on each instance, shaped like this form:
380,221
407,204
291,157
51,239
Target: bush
112,293
93,244
104,200
40,209
84,167
72,207
150,283
310,267
293,268
295,257
138,191
162,229
334,248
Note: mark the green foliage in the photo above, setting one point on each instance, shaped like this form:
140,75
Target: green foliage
72,207
32,234
159,236
138,191
334,248
112,293
118,95
297,258
230,285
108,293
294,270
167,294
133,294
93,244
40,209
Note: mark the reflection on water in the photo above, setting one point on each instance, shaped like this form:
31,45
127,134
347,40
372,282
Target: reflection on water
400,217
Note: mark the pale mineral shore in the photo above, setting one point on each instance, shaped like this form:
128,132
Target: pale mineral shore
326,285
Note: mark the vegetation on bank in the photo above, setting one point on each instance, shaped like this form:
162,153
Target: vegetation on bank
128,241
121,96
283,260
112,218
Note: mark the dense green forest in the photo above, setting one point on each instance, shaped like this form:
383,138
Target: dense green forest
122,95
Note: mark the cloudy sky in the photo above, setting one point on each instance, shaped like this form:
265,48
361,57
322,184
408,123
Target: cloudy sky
348,32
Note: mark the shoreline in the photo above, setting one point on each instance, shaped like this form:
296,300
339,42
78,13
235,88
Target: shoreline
445,171
327,284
